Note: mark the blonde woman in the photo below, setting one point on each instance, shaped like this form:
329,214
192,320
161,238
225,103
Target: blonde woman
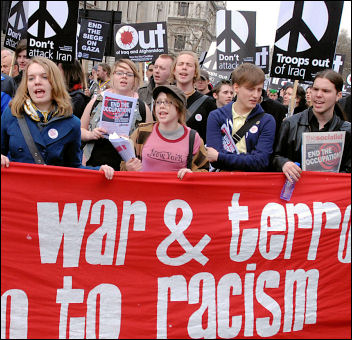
98,150
44,105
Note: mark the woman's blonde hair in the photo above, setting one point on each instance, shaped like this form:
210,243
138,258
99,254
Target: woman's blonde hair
180,108
196,64
59,92
133,67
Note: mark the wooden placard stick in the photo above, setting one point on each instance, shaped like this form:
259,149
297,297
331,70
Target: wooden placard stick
12,64
292,104
85,72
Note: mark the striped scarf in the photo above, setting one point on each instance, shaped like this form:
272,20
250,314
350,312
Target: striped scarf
37,115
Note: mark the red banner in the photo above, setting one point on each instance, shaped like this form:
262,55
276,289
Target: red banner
215,255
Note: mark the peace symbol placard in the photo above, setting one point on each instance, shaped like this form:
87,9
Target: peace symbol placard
306,37
52,27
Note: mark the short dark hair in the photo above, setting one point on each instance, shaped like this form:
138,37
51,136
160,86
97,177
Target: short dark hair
222,82
247,73
21,46
333,76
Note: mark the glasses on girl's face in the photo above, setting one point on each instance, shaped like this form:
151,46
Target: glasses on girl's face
127,74
165,102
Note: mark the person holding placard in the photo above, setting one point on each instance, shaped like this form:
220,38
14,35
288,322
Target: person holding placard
39,127
240,135
99,150
321,117
168,144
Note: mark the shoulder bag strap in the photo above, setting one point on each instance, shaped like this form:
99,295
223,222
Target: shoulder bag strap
194,107
142,111
240,133
192,134
29,141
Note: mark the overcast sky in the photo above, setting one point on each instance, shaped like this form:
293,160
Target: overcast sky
267,16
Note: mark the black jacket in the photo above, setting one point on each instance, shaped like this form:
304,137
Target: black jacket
79,102
289,143
198,120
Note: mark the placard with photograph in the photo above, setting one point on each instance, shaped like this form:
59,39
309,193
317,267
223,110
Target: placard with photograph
322,151
117,113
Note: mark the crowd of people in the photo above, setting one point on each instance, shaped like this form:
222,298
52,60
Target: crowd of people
182,123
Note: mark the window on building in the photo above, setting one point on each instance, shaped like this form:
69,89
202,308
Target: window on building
180,42
183,8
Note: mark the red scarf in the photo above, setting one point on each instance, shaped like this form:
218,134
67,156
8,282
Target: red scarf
75,87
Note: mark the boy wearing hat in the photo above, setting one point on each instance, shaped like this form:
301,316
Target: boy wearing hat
203,84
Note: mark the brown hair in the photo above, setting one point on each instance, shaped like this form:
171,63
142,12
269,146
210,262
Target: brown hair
333,77
106,68
247,74
133,67
218,86
59,93
73,73
180,108
196,64
21,46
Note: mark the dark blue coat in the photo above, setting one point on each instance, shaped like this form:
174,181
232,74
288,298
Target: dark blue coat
59,140
259,140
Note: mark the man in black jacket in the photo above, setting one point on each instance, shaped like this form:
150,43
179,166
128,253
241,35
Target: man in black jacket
321,117
185,72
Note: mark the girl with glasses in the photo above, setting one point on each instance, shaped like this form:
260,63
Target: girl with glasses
99,150
165,145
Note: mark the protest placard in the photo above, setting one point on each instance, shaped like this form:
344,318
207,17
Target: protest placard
305,38
117,113
210,65
140,42
17,24
322,151
235,38
262,58
91,40
52,28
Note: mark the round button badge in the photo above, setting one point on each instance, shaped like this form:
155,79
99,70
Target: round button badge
198,117
53,133
253,129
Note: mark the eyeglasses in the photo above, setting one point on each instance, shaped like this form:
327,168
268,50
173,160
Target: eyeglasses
127,74
165,102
